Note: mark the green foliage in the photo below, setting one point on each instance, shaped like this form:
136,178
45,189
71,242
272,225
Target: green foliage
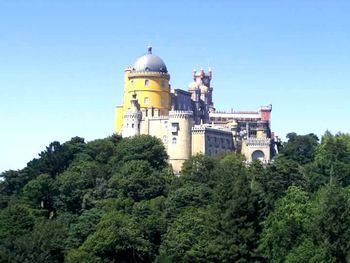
78,255
198,168
308,252
309,229
142,147
300,148
182,235
12,182
83,227
56,158
284,227
190,195
41,191
116,200
16,220
117,238
237,205
45,243
330,220
139,181
74,183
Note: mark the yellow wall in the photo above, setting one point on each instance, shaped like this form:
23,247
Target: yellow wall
119,115
154,92
198,143
153,95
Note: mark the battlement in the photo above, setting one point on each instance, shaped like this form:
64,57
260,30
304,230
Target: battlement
203,128
134,74
132,115
201,74
266,108
162,117
180,114
258,142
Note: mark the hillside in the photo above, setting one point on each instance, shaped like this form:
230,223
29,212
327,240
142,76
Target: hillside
117,200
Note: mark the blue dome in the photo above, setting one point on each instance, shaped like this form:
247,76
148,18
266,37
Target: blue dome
150,62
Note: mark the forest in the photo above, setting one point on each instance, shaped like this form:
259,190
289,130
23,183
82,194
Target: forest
117,200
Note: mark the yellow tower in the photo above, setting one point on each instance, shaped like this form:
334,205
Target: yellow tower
149,80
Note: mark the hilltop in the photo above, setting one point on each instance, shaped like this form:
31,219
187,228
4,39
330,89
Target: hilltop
117,200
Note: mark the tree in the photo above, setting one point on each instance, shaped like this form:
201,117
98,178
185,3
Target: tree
308,252
276,179
237,227
182,235
11,182
41,191
16,221
189,195
118,238
142,147
85,225
102,150
198,168
330,221
332,161
44,244
151,221
138,180
284,228
75,182
300,148
57,157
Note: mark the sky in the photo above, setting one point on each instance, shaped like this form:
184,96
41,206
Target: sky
62,63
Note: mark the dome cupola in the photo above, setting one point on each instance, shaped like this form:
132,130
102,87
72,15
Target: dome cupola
150,62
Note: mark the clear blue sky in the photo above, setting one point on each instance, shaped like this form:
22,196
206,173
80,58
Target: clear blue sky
62,62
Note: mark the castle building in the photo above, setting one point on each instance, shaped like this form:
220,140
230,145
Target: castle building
186,121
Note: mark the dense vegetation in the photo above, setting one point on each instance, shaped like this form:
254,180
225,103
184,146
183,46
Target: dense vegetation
116,200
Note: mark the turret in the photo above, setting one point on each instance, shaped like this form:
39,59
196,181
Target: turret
180,139
132,119
149,79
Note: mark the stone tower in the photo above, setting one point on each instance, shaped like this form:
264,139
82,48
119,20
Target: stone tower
202,96
179,138
132,118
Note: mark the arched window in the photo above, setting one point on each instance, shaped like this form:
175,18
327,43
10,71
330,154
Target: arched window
258,155
174,140
146,82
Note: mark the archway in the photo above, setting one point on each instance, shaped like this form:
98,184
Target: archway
258,155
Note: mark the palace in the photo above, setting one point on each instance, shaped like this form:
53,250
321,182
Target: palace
186,121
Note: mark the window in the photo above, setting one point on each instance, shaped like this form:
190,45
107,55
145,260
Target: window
165,139
174,127
146,82
132,82
133,125
146,100
163,84
174,140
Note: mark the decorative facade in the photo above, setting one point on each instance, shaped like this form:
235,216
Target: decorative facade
186,121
